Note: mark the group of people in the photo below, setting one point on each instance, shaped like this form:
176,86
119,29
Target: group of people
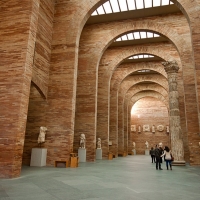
158,153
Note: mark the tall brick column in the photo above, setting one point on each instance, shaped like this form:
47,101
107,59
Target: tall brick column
171,68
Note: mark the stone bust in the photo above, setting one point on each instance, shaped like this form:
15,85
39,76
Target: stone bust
41,137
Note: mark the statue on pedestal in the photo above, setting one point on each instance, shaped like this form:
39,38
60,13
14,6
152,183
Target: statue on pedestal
133,145
147,145
99,143
82,141
41,137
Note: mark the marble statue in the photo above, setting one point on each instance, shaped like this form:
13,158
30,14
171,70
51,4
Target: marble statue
133,145
41,137
160,144
160,128
147,145
153,129
99,143
133,128
139,129
146,128
82,141
167,127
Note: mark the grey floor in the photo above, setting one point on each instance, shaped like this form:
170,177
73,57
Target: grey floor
132,177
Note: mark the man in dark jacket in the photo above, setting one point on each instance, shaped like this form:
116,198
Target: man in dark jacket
157,155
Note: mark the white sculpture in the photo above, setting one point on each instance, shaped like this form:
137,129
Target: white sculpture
133,145
41,137
82,141
133,128
160,128
146,128
167,128
160,144
153,129
139,129
147,145
99,143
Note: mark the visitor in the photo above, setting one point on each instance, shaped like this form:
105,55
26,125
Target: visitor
157,155
168,157
152,153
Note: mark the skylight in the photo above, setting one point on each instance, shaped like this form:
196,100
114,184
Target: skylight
139,56
137,35
113,6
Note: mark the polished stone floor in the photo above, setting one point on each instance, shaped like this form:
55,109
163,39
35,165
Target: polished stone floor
132,177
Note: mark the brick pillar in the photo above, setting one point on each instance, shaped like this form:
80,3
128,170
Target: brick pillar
171,69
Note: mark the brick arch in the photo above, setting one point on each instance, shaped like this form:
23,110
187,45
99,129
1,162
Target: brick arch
126,69
141,95
143,87
122,53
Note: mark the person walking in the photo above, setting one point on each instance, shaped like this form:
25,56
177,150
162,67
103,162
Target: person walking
152,153
157,155
168,157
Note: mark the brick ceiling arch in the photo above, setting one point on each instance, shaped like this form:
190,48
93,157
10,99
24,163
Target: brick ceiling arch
126,69
145,87
143,94
112,58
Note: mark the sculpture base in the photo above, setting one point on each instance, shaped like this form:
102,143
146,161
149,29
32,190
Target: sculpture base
178,163
98,154
38,157
147,152
82,155
134,152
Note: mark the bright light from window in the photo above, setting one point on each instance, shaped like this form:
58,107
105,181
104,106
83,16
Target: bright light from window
135,57
107,7
171,2
130,36
150,56
139,4
149,35
136,35
143,35
156,35
140,56
124,37
123,5
114,5
146,56
156,3
148,3
131,4
165,2
119,39
94,13
100,10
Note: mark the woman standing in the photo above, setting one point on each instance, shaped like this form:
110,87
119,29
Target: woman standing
168,157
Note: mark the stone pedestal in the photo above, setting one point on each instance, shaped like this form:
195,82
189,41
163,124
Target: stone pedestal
99,154
147,152
82,154
134,152
38,157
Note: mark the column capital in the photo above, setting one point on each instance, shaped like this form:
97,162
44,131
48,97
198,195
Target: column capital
170,66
